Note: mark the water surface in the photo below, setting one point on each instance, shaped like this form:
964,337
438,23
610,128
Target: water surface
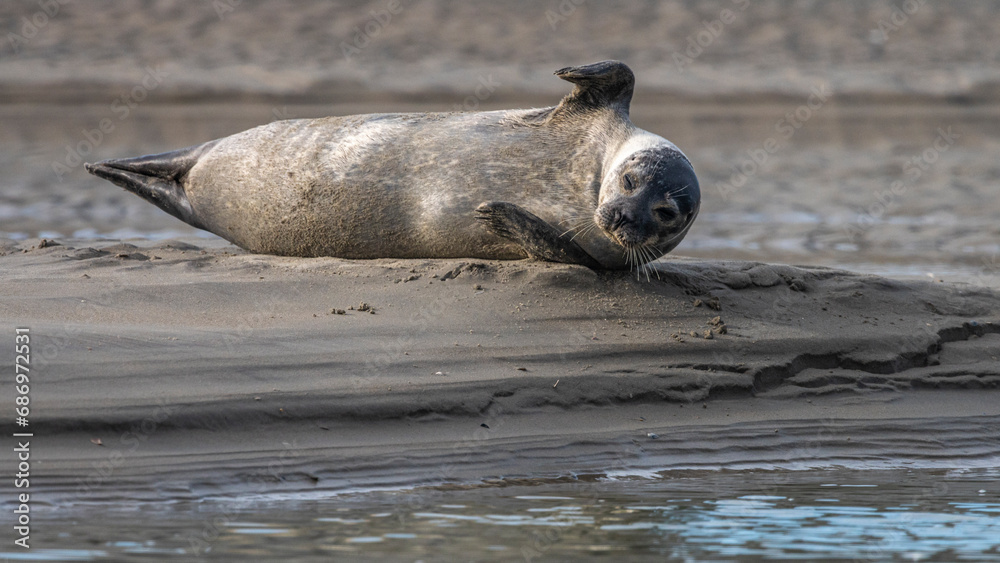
830,515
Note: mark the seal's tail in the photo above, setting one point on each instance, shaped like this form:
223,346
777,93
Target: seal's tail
156,178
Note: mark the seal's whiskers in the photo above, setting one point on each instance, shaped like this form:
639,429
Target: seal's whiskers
648,258
581,229
672,193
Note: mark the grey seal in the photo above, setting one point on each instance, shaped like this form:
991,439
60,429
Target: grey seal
575,183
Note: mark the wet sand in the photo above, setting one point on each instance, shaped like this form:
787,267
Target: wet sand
177,369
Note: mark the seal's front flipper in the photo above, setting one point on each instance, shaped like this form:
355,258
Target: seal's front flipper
156,178
539,239
603,84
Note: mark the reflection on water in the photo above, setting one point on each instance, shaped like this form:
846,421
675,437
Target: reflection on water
912,515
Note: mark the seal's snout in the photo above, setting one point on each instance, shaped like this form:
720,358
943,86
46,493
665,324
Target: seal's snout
623,225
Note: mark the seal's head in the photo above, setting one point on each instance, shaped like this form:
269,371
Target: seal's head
648,201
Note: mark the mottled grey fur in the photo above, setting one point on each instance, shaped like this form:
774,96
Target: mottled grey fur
408,185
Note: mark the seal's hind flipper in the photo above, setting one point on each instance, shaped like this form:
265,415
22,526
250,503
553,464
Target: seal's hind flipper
156,178
603,84
539,239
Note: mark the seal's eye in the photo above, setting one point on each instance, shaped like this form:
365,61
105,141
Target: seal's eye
629,186
666,214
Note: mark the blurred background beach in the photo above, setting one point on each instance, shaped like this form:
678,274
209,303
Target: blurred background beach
851,134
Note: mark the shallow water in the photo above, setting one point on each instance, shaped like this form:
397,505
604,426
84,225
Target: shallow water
834,515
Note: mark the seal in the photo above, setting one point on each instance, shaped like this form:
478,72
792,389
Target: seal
574,183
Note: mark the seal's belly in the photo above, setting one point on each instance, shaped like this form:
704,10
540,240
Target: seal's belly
371,186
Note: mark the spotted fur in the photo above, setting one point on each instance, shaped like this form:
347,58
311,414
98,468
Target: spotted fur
407,185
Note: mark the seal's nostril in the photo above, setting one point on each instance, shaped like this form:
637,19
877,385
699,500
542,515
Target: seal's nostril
618,220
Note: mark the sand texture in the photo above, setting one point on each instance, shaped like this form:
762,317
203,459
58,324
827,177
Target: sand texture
186,368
